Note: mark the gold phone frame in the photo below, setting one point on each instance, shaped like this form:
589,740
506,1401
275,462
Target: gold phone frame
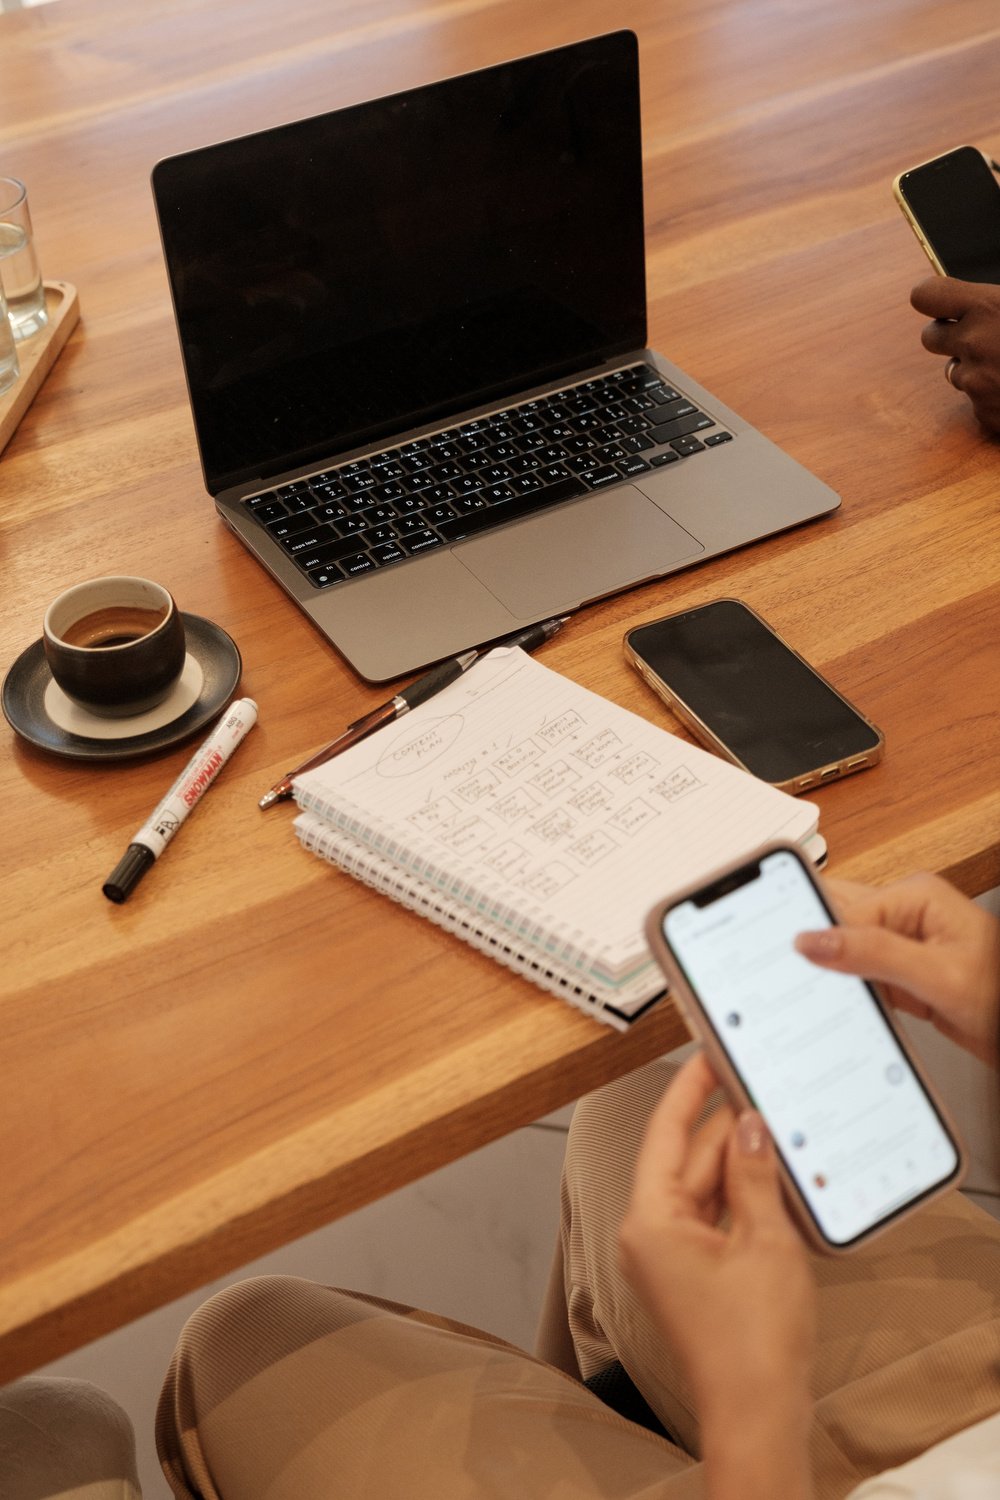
809,779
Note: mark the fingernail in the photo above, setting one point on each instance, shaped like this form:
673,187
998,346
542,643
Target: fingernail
751,1133
829,943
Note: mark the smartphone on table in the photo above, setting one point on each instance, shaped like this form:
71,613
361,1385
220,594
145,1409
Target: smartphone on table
744,693
861,1139
952,204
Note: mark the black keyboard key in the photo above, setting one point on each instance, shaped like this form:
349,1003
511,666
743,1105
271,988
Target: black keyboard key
598,478
717,438
321,578
436,494
389,553
410,525
287,526
494,474
515,507
389,470
329,552
686,446
526,463
293,487
635,424
446,452
363,479
697,422
661,393
435,514
419,541
254,502
526,484
358,564
273,510
352,524
659,459
418,482
382,493
640,443
378,536
442,473
331,512
494,494
308,541
633,465
469,484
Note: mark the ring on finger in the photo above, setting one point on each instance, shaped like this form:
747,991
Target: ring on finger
949,370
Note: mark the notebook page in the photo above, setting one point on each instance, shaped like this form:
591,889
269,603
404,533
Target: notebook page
548,809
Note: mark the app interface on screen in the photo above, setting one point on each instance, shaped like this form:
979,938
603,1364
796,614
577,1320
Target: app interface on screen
852,1123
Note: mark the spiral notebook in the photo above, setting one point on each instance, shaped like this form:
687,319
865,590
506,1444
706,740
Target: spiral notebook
539,822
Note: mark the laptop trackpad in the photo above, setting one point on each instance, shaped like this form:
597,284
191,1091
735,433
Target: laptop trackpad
564,557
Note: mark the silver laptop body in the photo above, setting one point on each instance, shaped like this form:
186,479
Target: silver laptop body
490,237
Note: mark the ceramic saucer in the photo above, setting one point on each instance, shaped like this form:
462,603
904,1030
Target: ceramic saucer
38,710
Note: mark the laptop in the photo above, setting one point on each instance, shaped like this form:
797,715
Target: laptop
414,335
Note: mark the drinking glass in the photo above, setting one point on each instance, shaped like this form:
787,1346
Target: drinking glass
9,365
19,273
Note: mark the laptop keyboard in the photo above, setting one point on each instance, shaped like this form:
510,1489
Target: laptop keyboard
353,519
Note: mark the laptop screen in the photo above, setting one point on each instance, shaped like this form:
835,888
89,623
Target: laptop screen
343,278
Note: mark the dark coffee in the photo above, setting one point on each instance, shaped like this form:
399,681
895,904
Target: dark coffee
116,625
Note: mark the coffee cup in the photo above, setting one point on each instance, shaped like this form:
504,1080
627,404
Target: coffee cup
114,645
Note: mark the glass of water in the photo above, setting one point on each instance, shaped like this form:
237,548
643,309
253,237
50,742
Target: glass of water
19,273
9,366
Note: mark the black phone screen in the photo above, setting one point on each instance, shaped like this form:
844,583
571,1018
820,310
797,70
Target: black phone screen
771,711
956,201
855,1127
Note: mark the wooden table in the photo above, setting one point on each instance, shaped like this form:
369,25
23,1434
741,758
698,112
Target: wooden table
254,1045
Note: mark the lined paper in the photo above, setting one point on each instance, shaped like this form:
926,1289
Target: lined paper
548,810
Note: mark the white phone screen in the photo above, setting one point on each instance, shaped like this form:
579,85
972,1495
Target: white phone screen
850,1118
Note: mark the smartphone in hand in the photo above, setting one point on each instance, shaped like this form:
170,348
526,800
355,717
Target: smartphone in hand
860,1137
952,204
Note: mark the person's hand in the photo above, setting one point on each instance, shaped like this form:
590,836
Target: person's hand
735,1299
708,1244
966,329
935,952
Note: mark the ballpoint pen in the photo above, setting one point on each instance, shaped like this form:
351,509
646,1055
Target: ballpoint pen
419,691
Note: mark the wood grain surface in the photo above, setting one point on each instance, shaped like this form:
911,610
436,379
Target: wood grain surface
254,1045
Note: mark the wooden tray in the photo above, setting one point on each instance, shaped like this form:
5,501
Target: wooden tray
38,354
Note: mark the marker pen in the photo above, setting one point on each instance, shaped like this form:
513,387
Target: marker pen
186,792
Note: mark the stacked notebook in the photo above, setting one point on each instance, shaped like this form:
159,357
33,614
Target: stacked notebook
539,823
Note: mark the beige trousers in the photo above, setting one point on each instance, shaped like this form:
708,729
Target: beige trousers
281,1389
64,1440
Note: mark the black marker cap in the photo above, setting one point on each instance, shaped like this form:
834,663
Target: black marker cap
128,872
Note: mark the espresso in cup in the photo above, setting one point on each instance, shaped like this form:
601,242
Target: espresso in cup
115,645
116,625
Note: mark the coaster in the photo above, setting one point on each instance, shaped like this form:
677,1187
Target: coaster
41,713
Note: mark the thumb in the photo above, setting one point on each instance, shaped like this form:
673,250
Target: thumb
753,1188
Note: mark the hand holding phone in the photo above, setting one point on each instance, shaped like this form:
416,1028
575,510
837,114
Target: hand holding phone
860,1137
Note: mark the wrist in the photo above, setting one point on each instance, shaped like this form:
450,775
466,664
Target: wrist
755,1442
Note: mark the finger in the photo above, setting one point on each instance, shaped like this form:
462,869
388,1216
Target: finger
876,953
942,296
665,1148
941,338
703,1174
753,1187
